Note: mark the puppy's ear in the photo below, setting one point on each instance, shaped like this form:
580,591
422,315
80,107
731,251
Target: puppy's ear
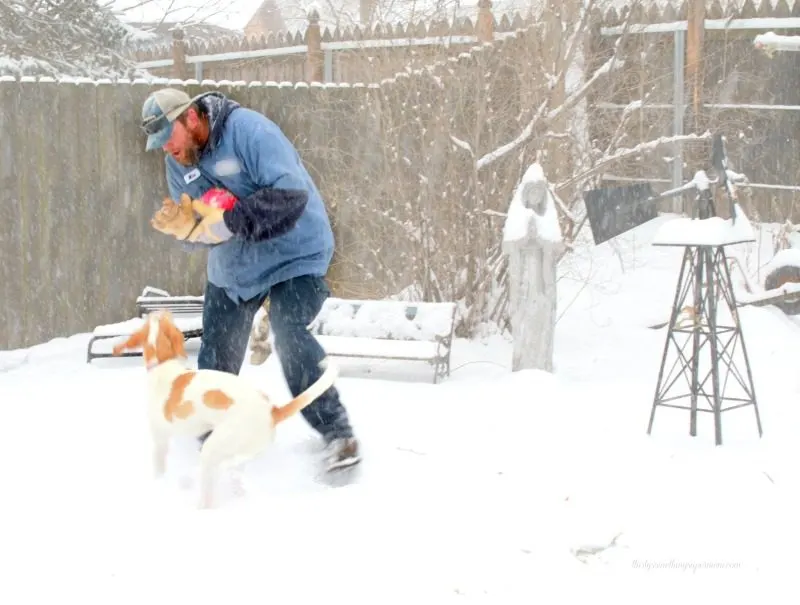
178,341
173,335
135,340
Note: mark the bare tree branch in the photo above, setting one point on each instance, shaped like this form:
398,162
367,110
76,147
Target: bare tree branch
621,154
542,118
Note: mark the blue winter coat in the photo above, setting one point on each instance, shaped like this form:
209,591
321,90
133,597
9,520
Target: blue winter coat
280,226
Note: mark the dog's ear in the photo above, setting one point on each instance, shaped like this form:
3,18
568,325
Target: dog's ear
134,341
173,335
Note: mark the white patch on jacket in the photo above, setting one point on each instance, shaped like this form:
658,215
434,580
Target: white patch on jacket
227,167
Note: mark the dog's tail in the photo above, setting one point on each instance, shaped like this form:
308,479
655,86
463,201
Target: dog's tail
331,371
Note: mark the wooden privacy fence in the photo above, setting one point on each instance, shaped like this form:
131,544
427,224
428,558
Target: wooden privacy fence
679,77
78,192
347,54
79,188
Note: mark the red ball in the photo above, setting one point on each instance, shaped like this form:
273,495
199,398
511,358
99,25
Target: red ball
217,197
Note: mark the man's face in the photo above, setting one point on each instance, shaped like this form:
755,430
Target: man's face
184,143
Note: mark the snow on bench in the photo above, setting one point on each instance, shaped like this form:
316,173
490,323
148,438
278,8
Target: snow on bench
155,299
388,329
177,305
127,327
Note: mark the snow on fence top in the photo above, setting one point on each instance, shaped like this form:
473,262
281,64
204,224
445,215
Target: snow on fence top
615,12
446,19
446,26
178,82
440,67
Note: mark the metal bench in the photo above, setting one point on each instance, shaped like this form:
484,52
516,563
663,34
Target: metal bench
388,329
186,310
376,329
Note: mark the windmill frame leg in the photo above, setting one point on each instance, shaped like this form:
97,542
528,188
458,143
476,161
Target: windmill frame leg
704,271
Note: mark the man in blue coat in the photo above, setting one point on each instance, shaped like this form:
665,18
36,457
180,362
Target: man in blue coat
276,241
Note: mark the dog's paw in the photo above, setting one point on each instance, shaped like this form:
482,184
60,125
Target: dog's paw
237,483
238,489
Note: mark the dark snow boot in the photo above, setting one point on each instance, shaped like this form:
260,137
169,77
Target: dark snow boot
342,453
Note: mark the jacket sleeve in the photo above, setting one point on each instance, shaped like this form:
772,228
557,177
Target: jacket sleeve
274,165
266,213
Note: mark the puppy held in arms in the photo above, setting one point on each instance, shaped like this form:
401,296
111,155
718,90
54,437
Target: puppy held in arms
193,402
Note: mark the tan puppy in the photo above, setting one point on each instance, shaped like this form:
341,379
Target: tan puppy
193,402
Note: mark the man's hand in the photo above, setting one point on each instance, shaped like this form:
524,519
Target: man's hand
191,221
175,219
211,229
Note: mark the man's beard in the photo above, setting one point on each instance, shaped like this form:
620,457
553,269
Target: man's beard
191,155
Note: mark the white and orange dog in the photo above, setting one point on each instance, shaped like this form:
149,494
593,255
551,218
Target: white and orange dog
193,402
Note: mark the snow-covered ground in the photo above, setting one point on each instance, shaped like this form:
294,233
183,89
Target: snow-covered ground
492,487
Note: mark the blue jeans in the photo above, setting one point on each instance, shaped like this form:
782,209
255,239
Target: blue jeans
293,305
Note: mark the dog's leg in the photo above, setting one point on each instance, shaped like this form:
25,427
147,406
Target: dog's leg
238,482
160,448
246,431
207,484
211,458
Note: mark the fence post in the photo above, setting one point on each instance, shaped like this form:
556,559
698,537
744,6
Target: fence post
484,27
314,59
695,37
178,54
678,100
328,53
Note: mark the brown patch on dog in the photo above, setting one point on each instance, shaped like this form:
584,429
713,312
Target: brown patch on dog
217,400
176,406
